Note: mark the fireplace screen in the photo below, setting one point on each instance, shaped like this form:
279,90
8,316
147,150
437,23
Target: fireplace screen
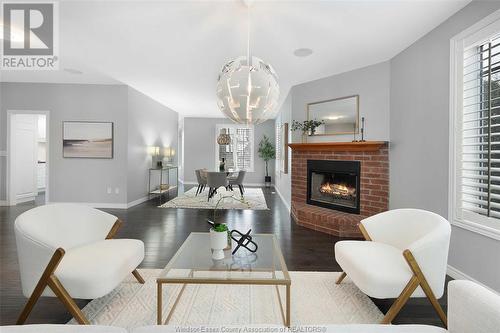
334,184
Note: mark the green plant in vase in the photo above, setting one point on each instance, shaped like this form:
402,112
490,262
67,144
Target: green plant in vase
267,153
307,127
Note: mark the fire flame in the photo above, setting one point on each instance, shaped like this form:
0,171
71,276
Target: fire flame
337,190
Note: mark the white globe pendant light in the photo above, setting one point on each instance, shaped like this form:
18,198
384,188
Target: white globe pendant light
247,89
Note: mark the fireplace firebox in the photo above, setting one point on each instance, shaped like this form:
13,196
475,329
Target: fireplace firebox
334,185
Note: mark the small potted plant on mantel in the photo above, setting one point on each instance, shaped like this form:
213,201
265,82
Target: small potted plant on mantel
308,127
267,153
220,239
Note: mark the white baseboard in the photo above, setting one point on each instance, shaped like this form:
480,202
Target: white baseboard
245,184
459,275
98,204
137,202
287,205
25,198
256,184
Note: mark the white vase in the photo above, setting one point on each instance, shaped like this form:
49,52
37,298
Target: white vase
218,242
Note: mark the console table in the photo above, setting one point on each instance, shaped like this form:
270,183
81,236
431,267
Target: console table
161,187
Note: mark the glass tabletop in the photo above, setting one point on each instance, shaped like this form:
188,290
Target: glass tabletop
193,263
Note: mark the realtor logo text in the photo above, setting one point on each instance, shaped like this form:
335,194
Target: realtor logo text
30,36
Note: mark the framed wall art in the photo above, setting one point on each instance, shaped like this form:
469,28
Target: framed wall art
87,139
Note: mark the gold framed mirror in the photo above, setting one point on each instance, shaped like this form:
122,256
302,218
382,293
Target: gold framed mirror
340,115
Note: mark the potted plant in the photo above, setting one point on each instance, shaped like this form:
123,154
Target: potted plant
220,239
267,153
308,127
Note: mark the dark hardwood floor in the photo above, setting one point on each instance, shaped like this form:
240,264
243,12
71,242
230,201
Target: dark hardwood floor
164,230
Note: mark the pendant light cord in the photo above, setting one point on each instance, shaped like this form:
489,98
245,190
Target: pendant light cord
249,60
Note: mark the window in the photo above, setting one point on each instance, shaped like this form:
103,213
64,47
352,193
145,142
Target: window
279,149
239,154
481,129
475,132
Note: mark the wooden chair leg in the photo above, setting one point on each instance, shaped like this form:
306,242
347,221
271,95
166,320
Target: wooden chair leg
401,300
66,299
114,229
412,262
41,285
341,277
138,276
364,232
241,189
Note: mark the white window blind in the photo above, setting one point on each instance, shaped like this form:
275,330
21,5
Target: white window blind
480,171
239,154
279,149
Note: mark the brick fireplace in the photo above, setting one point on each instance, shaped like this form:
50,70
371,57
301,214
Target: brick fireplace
338,186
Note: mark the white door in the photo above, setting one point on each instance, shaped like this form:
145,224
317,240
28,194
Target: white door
24,155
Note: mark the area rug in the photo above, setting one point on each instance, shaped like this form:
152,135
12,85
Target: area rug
315,300
253,199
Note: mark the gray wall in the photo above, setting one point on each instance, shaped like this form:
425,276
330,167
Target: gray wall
149,124
282,182
371,83
138,122
419,138
75,179
199,147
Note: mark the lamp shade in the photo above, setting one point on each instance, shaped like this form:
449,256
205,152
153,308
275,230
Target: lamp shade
168,152
248,93
153,151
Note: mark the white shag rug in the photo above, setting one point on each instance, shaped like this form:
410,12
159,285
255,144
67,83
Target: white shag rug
253,199
315,300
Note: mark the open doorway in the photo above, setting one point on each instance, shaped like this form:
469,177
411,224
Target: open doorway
27,157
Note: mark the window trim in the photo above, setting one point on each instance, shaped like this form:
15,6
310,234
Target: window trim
475,34
218,127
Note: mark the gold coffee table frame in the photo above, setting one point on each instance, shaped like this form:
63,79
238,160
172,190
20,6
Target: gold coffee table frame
192,279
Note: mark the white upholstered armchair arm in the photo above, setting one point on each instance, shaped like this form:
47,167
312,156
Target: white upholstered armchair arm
398,227
472,308
431,254
33,258
93,224
401,227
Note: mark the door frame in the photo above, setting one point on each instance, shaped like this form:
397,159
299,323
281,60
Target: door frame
11,196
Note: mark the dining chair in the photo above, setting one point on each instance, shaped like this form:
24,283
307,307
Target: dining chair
214,181
202,181
238,181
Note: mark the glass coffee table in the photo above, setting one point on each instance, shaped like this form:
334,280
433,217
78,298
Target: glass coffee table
193,264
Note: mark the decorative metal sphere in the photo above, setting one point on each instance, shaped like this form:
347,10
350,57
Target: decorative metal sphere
248,94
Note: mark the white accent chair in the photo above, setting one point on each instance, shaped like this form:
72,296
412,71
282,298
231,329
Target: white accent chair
66,250
405,256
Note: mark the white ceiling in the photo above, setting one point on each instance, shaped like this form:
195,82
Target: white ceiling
173,51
